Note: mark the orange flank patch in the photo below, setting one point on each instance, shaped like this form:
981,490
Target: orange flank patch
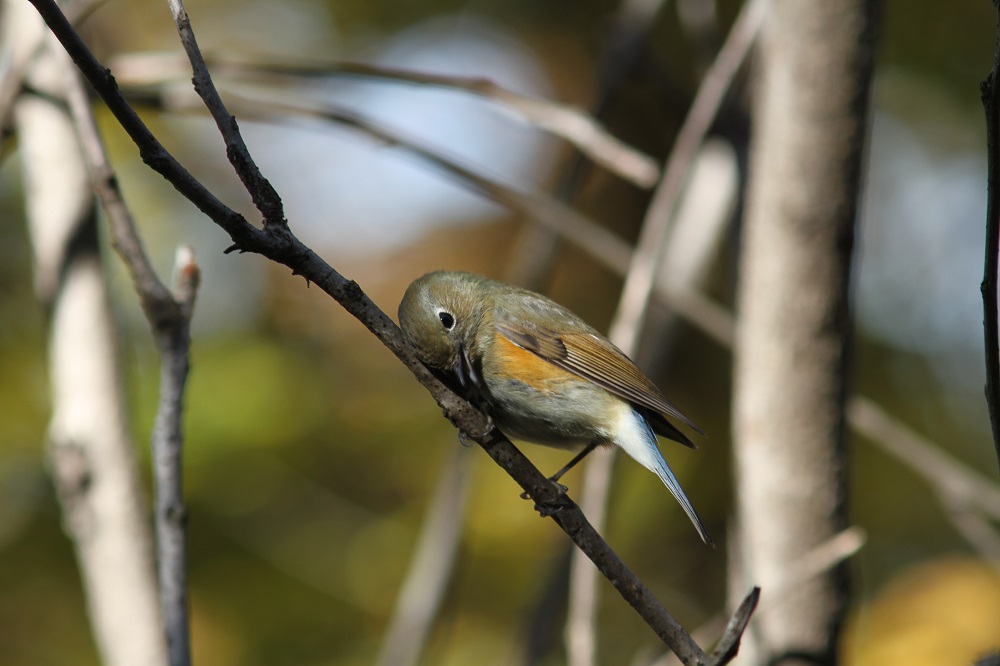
526,367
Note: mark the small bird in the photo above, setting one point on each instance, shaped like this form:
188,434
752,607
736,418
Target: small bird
539,372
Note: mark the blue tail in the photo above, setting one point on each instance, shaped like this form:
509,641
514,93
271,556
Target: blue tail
650,457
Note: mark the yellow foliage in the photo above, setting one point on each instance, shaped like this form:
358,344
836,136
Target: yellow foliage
939,613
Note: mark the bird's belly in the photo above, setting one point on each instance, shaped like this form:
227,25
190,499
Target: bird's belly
563,414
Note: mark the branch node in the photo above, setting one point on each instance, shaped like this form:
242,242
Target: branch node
187,276
729,643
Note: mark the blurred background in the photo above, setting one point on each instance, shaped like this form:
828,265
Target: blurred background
311,451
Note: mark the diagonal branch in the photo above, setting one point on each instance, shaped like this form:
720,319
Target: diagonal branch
151,151
276,242
564,121
649,252
646,261
548,211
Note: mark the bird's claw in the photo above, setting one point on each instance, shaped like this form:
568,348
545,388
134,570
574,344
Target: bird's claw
548,509
467,441
559,488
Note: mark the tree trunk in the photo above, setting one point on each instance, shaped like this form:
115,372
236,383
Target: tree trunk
91,458
793,337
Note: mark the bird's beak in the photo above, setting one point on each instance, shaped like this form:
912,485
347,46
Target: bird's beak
461,367
464,370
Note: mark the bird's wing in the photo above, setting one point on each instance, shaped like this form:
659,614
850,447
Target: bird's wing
589,356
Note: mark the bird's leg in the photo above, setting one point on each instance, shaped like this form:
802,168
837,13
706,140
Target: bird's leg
572,463
567,467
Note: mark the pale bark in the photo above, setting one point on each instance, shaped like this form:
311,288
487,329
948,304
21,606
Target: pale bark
431,567
90,455
794,326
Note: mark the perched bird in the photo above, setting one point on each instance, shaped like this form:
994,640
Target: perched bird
539,372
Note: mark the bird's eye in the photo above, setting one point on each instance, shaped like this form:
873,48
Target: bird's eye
447,320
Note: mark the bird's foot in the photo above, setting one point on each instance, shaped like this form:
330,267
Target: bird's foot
546,510
467,441
559,488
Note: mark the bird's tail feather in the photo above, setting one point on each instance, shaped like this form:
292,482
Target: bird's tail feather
651,458
673,485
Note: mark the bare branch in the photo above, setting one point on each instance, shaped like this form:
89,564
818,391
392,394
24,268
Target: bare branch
124,237
587,234
168,445
277,242
712,91
960,487
581,615
536,247
431,565
265,198
170,321
627,325
977,531
151,150
991,327
567,122
729,643
607,248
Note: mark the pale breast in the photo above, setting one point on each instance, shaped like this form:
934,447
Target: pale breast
534,400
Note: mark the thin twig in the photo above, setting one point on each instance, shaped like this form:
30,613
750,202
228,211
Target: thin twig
958,485
990,92
640,280
125,239
711,93
168,445
535,253
169,317
567,122
537,247
277,243
978,531
151,151
264,196
587,234
430,566
729,643
581,614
